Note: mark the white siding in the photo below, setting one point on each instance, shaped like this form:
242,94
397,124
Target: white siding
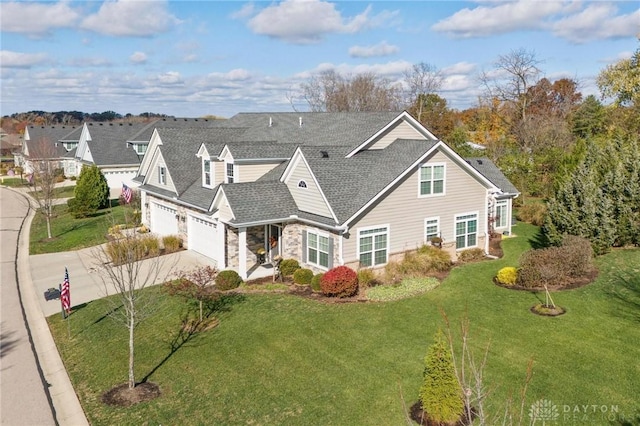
405,212
402,130
307,199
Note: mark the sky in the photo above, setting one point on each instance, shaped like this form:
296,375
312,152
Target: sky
197,58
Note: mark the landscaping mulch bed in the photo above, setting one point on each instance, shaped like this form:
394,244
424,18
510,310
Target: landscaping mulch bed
547,311
122,396
574,283
419,416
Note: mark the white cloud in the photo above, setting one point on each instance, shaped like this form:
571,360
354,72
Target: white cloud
9,59
138,58
499,18
89,62
170,78
597,21
36,19
131,18
459,68
308,21
380,49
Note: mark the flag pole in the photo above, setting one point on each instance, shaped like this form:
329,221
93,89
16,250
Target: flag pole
61,301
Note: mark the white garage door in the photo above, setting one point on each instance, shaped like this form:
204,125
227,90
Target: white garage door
115,179
204,238
163,219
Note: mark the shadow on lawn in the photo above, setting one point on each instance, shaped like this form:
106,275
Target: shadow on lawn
190,328
625,287
539,240
631,421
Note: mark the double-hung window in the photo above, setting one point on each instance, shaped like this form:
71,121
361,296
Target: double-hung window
431,228
140,148
432,179
466,230
162,175
373,246
206,173
318,249
229,172
501,214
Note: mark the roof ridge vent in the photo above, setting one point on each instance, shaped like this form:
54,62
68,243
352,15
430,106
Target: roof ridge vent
270,121
300,120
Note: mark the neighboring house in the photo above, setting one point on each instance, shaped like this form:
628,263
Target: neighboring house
51,143
328,189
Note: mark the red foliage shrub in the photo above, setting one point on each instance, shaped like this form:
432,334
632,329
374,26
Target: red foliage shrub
340,281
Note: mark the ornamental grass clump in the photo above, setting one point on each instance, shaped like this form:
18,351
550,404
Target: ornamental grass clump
172,243
340,281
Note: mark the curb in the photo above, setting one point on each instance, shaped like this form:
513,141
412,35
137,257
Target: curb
68,410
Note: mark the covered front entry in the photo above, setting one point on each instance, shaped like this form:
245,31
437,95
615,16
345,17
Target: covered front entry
163,219
273,241
206,237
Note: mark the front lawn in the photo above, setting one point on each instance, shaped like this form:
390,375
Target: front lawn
283,359
62,192
13,181
70,233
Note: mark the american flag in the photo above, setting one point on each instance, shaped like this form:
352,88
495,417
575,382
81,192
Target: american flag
65,294
127,193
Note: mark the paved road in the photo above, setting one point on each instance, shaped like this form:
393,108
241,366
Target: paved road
24,398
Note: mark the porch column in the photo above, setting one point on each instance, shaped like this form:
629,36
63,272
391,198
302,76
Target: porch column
242,253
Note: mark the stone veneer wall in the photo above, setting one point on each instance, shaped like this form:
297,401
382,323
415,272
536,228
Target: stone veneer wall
293,244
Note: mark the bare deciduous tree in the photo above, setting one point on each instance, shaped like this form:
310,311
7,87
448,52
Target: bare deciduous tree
44,161
123,273
422,79
201,280
330,91
513,75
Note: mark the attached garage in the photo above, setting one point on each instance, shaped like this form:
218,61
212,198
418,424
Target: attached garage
115,178
163,219
205,237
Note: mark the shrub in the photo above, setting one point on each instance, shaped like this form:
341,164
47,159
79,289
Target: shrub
534,213
315,282
227,280
288,267
172,243
440,394
426,260
91,192
556,265
340,281
125,250
471,255
366,278
73,178
303,276
507,276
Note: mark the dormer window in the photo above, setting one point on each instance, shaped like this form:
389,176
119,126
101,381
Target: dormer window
140,148
229,172
302,184
206,173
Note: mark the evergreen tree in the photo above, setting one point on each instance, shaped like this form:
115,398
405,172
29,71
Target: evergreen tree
91,193
440,394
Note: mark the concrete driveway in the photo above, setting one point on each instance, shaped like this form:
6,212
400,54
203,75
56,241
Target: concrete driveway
86,279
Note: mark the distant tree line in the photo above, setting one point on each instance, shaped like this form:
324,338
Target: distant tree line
15,122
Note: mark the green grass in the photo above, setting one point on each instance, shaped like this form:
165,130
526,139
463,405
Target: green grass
13,181
62,192
282,359
70,233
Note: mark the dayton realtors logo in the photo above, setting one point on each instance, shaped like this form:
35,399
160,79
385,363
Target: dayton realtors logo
545,412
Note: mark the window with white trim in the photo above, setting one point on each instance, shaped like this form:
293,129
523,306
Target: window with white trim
162,175
140,148
206,173
501,214
466,230
229,172
302,184
373,246
431,228
318,249
432,179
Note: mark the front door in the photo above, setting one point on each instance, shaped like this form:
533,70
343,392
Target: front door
274,236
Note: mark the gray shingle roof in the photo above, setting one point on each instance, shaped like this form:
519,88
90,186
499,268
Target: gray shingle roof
489,170
108,143
259,201
144,134
47,138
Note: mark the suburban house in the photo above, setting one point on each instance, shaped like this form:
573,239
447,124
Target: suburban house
115,147
356,189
